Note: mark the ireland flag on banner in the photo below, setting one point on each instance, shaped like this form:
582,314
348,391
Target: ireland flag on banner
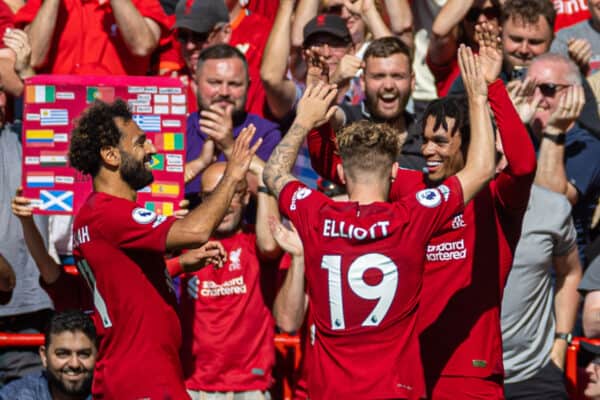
40,94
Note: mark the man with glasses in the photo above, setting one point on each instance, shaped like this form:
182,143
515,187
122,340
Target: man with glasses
553,74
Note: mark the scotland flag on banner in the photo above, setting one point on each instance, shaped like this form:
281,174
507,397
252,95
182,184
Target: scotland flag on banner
56,200
148,123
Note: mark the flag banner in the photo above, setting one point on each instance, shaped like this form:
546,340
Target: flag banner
147,123
54,117
168,141
160,207
53,158
40,94
40,179
51,104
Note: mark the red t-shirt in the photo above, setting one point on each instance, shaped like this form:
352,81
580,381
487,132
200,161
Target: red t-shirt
69,292
364,269
6,21
444,75
250,33
469,257
119,248
228,332
86,38
570,12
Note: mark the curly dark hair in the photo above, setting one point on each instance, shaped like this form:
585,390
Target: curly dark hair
72,321
94,130
528,11
368,146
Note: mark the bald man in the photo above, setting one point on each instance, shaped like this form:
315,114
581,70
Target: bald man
228,328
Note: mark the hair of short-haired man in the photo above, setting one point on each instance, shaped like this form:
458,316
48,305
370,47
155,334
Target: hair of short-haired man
220,52
388,46
71,321
528,11
573,74
453,107
94,129
366,146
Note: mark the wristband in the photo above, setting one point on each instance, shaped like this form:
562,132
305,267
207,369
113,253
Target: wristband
567,337
263,189
174,267
558,139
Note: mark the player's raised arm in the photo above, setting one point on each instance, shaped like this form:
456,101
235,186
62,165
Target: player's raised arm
314,109
480,166
197,227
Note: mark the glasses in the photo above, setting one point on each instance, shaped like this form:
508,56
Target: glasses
488,12
550,89
190,36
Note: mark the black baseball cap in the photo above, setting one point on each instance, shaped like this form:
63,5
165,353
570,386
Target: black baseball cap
327,23
590,353
200,15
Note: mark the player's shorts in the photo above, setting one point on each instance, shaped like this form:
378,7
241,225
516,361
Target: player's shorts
468,388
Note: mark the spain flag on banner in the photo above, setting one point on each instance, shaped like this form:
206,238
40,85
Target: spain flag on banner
168,189
160,207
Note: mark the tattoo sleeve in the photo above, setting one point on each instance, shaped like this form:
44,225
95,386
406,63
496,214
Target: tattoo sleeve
278,171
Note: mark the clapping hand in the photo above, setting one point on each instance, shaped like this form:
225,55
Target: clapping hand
524,98
315,107
568,110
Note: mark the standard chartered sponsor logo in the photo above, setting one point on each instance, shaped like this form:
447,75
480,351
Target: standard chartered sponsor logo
231,287
447,251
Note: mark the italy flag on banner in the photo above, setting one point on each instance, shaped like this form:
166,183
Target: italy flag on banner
160,207
40,94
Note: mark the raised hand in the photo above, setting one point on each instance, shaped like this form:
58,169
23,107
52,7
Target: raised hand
287,239
317,68
207,157
472,75
21,206
347,69
217,123
580,51
490,51
568,110
18,41
524,98
241,154
211,253
315,107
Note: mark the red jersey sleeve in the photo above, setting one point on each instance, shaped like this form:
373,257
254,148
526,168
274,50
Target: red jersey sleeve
300,204
407,181
6,20
134,227
324,157
514,183
153,10
27,13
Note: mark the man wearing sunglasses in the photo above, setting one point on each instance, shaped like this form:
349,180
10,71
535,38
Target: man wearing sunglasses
553,74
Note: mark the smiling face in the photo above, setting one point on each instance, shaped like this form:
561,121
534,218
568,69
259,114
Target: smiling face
442,150
222,82
388,82
69,361
136,155
523,41
592,390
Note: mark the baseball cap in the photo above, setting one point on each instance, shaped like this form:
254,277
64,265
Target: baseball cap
590,353
200,15
327,23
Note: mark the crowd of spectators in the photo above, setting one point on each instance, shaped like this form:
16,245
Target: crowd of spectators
246,65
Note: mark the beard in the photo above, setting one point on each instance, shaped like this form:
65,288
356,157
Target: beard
372,99
236,114
134,172
76,389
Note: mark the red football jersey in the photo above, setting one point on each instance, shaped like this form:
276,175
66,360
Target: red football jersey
364,268
228,331
119,248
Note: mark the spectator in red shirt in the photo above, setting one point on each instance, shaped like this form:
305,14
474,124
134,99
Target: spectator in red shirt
106,37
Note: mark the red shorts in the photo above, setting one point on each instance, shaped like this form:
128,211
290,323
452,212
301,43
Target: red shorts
464,387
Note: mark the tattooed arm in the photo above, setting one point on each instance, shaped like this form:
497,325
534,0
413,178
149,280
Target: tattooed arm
313,110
